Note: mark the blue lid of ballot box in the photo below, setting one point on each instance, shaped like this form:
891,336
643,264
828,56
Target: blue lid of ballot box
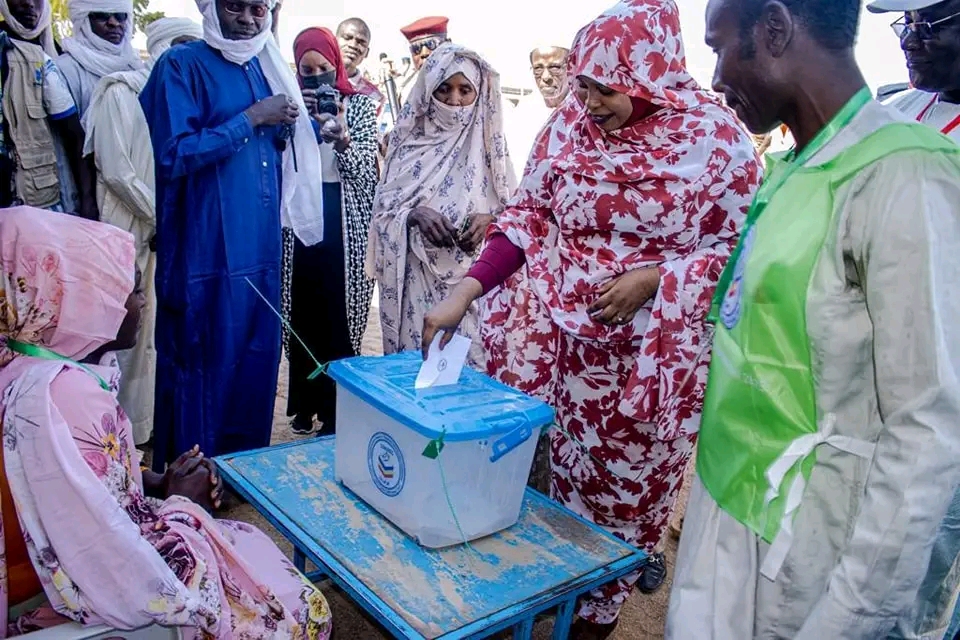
476,407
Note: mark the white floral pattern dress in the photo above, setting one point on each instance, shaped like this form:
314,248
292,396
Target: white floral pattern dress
452,160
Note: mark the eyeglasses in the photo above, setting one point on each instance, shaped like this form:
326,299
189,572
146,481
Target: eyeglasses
924,30
553,69
237,8
100,16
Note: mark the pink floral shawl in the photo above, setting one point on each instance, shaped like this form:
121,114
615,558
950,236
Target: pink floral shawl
105,553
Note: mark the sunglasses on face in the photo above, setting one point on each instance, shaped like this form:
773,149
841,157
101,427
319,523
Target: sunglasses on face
237,8
431,45
924,29
105,17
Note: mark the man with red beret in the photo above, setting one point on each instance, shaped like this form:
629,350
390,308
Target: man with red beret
424,35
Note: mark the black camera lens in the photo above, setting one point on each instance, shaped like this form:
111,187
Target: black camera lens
328,100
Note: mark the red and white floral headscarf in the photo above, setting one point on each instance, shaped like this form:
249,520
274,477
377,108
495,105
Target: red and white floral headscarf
670,190
636,48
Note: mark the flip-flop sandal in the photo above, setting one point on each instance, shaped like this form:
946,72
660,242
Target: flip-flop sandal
301,427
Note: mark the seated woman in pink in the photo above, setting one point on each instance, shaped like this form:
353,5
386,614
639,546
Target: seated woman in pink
108,545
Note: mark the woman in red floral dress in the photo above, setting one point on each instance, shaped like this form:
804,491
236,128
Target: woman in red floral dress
609,253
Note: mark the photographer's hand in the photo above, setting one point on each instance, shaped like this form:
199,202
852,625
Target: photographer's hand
333,130
310,101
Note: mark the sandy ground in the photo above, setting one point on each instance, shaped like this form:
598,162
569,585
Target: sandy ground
642,618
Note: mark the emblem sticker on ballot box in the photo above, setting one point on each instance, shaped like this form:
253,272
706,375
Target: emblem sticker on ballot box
385,461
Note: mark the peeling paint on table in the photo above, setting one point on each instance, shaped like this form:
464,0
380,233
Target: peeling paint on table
434,592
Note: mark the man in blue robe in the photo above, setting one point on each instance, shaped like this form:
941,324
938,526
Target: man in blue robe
221,133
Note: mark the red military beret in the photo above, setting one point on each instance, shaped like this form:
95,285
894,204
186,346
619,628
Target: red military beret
432,26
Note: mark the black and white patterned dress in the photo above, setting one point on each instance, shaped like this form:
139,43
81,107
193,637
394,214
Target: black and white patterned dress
357,167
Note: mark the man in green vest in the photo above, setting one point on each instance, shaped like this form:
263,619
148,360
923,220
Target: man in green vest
831,423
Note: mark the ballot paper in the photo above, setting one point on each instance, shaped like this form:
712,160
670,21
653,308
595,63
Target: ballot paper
443,367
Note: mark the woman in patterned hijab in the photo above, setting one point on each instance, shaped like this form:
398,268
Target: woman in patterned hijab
630,204
447,175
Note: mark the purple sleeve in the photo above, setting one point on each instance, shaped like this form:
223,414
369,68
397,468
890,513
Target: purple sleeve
499,260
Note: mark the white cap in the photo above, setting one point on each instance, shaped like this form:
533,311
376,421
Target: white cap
901,6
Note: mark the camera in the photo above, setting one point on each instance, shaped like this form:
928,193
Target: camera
328,98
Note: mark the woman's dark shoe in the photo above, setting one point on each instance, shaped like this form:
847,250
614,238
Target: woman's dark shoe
584,630
302,425
653,574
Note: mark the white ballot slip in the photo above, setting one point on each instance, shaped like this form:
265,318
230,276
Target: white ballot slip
443,367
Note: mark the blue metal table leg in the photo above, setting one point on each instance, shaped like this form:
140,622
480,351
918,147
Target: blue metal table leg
523,630
316,576
299,560
561,628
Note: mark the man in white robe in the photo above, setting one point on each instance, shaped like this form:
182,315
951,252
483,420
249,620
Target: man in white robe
817,502
118,138
929,32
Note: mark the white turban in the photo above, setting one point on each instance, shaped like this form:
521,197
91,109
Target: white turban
95,54
302,206
42,30
161,34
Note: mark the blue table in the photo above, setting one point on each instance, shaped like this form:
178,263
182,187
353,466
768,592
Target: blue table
544,562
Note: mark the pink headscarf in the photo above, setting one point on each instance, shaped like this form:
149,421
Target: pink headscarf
64,281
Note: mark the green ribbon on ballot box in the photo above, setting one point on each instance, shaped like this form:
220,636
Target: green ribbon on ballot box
434,447
321,367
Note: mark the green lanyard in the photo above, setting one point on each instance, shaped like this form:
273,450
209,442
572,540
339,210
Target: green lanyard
43,353
769,187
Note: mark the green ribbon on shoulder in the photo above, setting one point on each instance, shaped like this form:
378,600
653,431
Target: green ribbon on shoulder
35,351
